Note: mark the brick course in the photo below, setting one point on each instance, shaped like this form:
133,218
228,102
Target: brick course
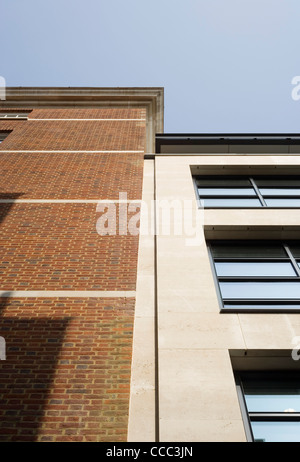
76,135
90,113
70,175
57,247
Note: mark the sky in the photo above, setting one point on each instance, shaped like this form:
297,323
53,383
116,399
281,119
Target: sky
226,66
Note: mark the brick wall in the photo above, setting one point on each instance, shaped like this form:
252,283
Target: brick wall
67,372
70,176
57,247
99,113
66,377
77,135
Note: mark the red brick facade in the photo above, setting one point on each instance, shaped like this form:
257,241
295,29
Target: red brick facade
67,371
77,135
38,175
56,247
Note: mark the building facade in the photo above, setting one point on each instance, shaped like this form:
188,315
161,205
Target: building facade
67,287
149,281
228,303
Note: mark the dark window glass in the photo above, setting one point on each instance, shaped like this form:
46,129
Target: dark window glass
265,305
257,275
241,250
222,182
271,402
295,249
277,182
278,395
246,192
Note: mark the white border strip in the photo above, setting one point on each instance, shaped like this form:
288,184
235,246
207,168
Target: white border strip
84,120
67,294
142,404
69,201
72,152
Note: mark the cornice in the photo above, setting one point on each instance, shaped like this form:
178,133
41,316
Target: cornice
152,98
76,94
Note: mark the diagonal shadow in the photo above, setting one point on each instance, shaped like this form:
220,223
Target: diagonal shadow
6,206
32,349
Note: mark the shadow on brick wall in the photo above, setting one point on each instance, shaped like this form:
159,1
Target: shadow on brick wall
33,346
32,349
6,207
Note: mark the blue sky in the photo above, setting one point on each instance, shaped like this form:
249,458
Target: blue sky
226,65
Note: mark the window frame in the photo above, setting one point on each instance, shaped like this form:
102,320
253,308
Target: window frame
258,195
250,416
259,305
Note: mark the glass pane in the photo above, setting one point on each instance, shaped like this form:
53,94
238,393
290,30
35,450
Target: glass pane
263,250
295,249
259,306
219,202
260,290
215,182
271,432
226,192
272,394
254,269
288,202
277,182
280,192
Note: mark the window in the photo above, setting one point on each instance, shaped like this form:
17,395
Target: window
257,275
13,115
247,192
270,404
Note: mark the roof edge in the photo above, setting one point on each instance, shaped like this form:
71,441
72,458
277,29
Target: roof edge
152,98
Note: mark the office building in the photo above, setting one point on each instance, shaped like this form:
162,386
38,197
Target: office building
150,282
67,288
